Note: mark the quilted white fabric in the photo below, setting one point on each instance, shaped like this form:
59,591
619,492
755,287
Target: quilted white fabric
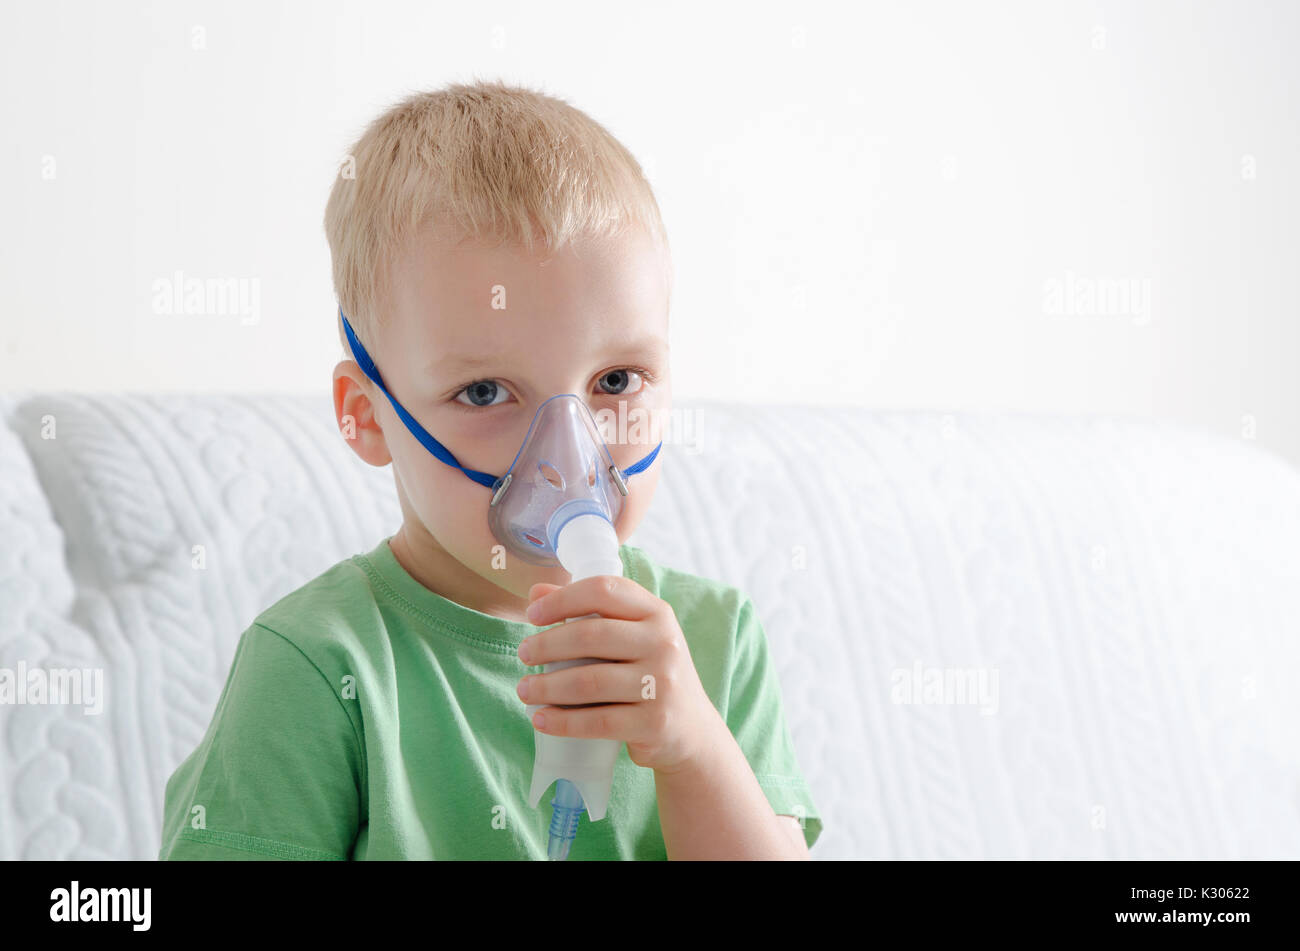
1128,590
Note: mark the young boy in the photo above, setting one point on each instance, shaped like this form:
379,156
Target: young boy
493,247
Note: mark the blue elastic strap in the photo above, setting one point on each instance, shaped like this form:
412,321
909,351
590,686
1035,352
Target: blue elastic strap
636,467
438,449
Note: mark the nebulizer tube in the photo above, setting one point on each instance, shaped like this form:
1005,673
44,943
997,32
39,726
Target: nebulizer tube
567,806
583,769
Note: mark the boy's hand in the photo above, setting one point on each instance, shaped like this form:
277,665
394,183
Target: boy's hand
649,693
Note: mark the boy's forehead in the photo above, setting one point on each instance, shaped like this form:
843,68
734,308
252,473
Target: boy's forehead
465,307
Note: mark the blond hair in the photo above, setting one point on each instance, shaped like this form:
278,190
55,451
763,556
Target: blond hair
477,162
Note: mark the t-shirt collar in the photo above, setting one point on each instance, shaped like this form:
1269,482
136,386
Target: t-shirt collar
474,627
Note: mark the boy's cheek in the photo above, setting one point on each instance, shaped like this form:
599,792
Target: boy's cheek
448,504
457,516
638,502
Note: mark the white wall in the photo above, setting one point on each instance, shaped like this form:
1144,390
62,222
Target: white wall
872,204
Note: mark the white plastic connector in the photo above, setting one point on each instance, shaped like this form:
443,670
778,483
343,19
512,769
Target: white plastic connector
588,546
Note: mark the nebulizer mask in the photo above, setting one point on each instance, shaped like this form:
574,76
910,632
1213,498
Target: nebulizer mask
555,506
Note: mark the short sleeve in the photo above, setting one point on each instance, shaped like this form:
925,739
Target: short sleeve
279,772
756,717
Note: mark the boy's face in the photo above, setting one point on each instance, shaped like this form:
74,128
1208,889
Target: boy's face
475,340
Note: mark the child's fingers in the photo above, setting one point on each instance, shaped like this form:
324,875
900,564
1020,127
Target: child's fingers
618,721
607,595
584,684
541,590
605,638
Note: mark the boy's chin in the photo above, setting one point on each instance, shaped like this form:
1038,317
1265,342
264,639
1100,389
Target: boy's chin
522,576
538,574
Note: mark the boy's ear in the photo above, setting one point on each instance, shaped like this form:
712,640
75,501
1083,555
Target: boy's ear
356,415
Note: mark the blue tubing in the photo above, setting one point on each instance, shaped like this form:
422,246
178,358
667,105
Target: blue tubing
568,806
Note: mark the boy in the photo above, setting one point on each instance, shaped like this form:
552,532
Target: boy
492,247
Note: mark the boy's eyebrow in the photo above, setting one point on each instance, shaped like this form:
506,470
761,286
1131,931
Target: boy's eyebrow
653,345
456,364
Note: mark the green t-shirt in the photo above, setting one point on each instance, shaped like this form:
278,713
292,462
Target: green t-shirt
367,717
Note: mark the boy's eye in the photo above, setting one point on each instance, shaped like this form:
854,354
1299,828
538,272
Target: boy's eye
621,382
482,393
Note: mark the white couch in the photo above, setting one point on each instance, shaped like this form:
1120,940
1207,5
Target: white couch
1133,586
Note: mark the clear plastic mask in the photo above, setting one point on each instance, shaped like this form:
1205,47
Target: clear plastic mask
562,469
